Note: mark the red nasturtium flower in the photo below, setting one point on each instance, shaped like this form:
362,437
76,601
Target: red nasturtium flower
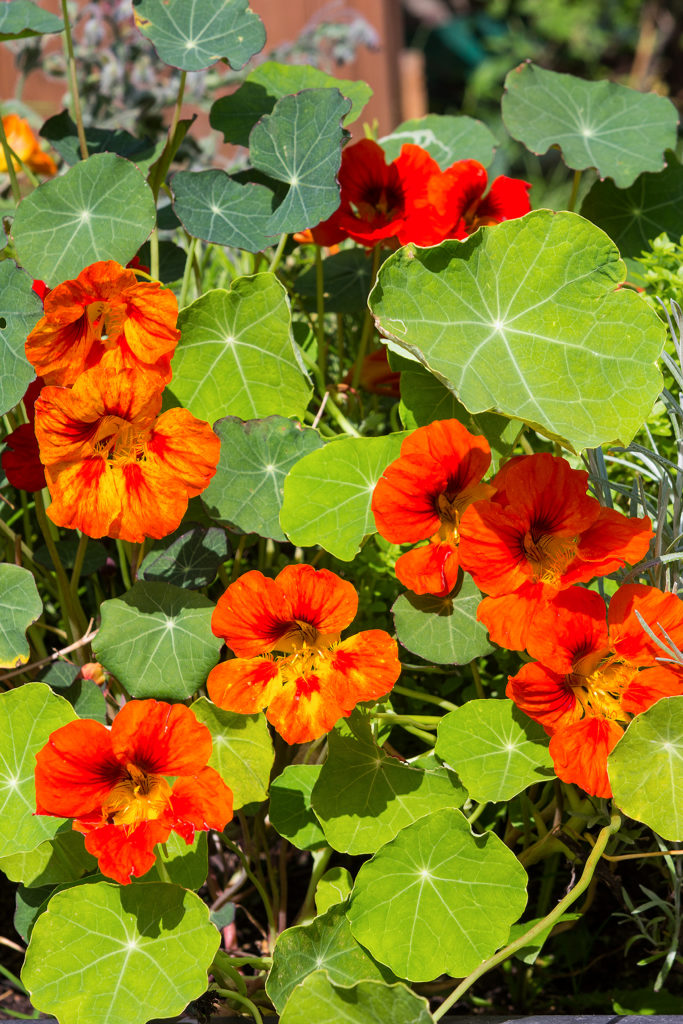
318,678
469,209
26,146
114,467
106,315
593,676
401,200
422,496
21,458
539,534
113,783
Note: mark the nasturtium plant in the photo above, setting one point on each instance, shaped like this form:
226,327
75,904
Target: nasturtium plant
341,651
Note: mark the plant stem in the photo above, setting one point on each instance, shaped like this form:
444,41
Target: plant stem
123,564
78,565
320,311
255,882
16,192
321,859
178,104
428,698
431,721
154,255
228,994
575,191
548,921
187,273
73,83
277,256
75,620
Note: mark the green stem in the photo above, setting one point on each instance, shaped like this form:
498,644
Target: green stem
320,311
575,191
178,104
428,698
244,860
431,721
187,274
16,192
73,83
154,255
277,256
123,564
74,616
474,668
368,324
548,921
78,565
27,556
477,812
160,864
321,859
228,994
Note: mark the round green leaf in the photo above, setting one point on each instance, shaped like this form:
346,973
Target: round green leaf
187,558
185,864
369,1002
256,456
460,893
618,131
236,354
445,138
20,605
290,811
58,860
242,750
646,768
213,206
337,515
495,748
363,796
636,215
22,18
334,887
21,311
442,629
347,278
326,943
299,143
111,953
555,345
157,640
101,209
194,34
28,715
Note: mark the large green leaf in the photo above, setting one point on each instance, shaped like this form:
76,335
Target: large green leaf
299,143
369,1002
157,640
242,751
194,34
187,558
442,629
62,859
327,494
20,605
334,887
213,206
646,768
236,354
256,456
62,133
21,311
618,131
101,209
495,748
22,18
290,811
326,943
445,138
28,715
114,954
437,899
525,318
363,796
632,217
235,115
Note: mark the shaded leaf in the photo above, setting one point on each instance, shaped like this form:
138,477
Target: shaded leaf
22,18
495,748
442,629
460,893
62,859
157,640
290,811
256,456
21,311
555,345
618,131
20,605
347,277
336,515
194,34
242,750
213,206
94,559
189,557
236,355
101,209
369,1002
62,134
186,864
334,887
446,139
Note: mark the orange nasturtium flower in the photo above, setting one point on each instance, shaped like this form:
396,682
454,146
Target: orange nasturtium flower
539,534
106,315
114,467
318,678
592,676
471,209
26,146
113,783
422,496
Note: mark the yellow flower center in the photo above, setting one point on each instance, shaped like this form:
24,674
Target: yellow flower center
139,796
599,692
549,555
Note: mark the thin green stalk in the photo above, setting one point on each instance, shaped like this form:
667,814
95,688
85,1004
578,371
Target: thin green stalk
255,882
368,324
320,313
74,616
277,256
474,668
123,564
73,83
338,416
228,994
160,864
187,273
427,697
476,813
426,737
430,721
575,191
27,556
154,255
547,922
78,564
178,104
237,561
321,859
16,191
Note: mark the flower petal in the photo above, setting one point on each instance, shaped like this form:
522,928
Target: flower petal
544,695
650,685
580,751
661,611
569,626
252,615
121,854
365,667
160,738
307,708
245,685
76,769
201,801
432,569
186,448
319,597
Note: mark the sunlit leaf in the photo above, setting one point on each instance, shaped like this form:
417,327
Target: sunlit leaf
22,18
290,811
334,887
21,310
62,859
242,750
184,864
20,605
369,1002
442,629
194,34
446,139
